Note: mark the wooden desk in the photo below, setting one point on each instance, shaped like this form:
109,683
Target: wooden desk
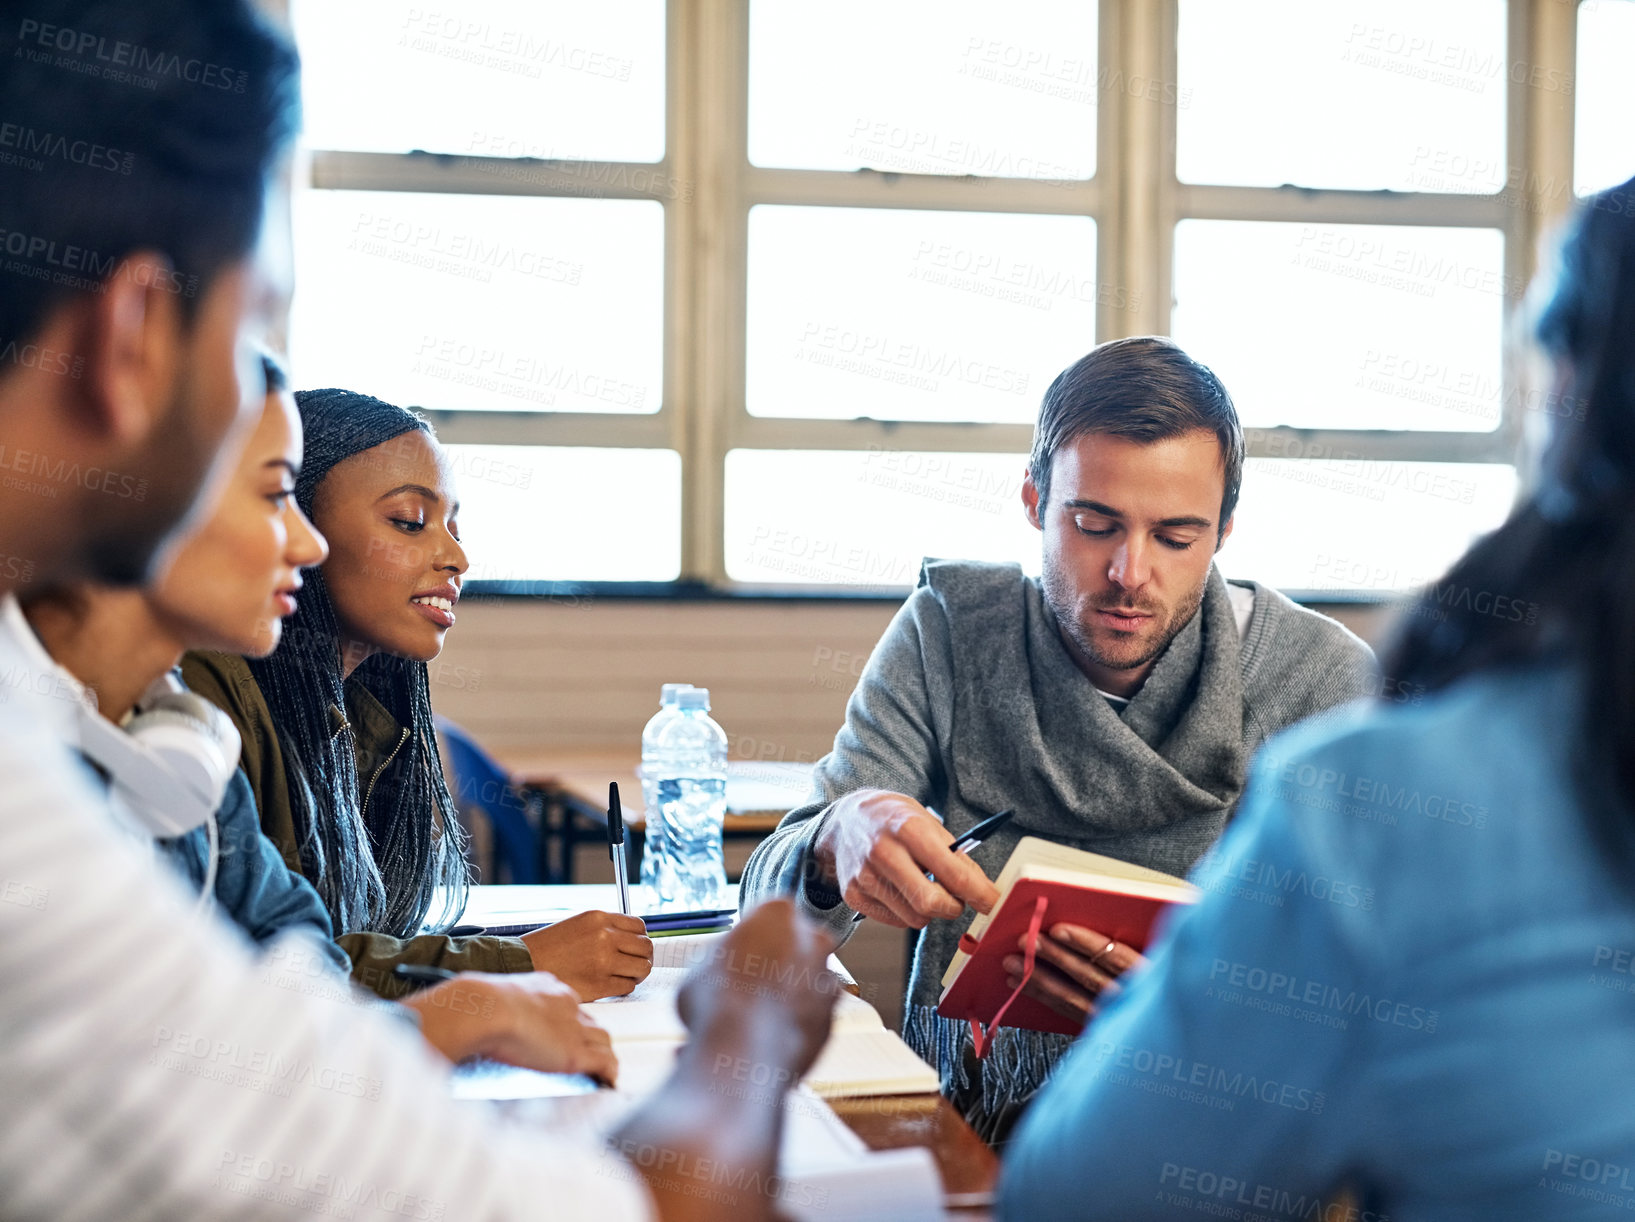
969,1169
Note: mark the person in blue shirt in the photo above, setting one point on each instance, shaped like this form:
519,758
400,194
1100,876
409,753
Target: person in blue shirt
253,887
1408,987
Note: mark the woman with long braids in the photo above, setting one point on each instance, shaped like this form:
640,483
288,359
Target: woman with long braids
1410,971
339,746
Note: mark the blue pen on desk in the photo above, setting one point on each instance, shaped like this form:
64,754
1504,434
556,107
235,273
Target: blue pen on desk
615,845
966,844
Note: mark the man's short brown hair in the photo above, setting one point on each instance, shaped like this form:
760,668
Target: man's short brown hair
1146,389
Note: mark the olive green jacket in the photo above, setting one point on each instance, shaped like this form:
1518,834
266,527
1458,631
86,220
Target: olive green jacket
225,680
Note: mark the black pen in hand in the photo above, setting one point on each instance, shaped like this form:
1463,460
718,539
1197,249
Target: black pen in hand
966,844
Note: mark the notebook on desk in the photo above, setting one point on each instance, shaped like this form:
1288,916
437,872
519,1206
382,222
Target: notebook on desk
862,1057
830,1175
825,1172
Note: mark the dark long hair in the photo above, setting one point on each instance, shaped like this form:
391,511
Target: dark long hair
1568,550
376,869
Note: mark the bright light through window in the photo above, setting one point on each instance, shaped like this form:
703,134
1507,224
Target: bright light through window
486,78
480,301
1346,326
1394,94
925,87
901,315
1604,96
523,513
867,518
859,318
1358,524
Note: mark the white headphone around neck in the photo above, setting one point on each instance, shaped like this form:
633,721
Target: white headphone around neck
171,761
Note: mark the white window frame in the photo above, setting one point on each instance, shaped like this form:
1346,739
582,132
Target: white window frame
707,186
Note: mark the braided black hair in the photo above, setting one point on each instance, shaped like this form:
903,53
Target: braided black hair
378,869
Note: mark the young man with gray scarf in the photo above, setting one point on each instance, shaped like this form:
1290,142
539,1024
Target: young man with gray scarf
1113,703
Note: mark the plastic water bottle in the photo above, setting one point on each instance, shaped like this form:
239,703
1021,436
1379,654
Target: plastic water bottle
655,853
691,771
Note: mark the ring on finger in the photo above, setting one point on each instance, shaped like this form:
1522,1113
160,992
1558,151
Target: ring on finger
1096,958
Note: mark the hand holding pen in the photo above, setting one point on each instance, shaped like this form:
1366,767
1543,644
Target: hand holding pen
925,896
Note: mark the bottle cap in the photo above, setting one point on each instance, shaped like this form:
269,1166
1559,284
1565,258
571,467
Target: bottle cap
669,691
693,698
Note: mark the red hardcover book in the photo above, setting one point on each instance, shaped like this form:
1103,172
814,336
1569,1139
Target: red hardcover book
1044,884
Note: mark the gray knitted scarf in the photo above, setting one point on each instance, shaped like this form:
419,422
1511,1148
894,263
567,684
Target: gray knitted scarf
1163,776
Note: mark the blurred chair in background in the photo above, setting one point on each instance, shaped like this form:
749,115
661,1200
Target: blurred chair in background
516,846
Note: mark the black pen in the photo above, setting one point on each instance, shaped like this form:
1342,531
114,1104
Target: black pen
419,973
615,846
966,843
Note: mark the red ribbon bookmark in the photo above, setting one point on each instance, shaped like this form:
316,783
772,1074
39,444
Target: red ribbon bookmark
982,1039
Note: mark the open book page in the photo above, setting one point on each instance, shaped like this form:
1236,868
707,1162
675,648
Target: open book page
631,1019
673,958
869,1062
684,952
891,1185
650,1014
861,1057
827,1174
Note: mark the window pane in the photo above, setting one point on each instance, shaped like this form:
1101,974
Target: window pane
1337,524
1394,94
915,315
522,513
1346,326
480,301
1603,148
927,87
490,78
868,517
1302,524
